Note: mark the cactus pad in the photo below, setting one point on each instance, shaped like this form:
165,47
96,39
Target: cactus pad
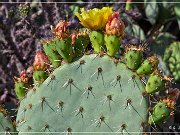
88,95
6,125
39,76
148,66
133,57
112,44
155,83
160,113
172,57
20,89
97,40
53,55
80,45
64,48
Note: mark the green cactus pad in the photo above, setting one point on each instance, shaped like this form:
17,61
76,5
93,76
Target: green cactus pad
172,57
6,125
64,48
88,95
20,89
112,44
159,114
155,83
80,45
50,50
148,66
39,76
97,40
133,58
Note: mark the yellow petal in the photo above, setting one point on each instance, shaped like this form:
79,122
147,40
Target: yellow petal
94,19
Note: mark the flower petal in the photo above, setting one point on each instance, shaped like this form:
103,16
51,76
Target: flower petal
94,19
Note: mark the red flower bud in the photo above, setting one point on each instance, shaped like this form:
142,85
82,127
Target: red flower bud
22,77
115,25
41,61
60,31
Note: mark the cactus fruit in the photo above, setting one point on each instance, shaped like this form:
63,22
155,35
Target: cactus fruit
64,48
160,113
112,44
148,66
114,31
39,76
97,40
40,65
164,108
6,125
95,90
20,89
62,40
21,84
155,83
81,41
133,57
53,55
172,58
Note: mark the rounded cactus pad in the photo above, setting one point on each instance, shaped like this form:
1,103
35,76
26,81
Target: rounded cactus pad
148,66
92,94
155,83
53,55
160,113
172,57
112,44
133,57
97,40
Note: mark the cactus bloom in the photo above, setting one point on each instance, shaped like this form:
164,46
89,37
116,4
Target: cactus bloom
169,103
94,19
170,100
60,31
22,77
115,25
41,61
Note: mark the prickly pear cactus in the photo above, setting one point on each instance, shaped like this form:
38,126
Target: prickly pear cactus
91,91
88,95
172,57
6,125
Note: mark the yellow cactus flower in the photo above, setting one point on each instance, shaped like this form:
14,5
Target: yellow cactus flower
94,19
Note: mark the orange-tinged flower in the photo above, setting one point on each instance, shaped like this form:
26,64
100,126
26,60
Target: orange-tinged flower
94,19
22,77
41,61
171,98
60,31
169,103
115,25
